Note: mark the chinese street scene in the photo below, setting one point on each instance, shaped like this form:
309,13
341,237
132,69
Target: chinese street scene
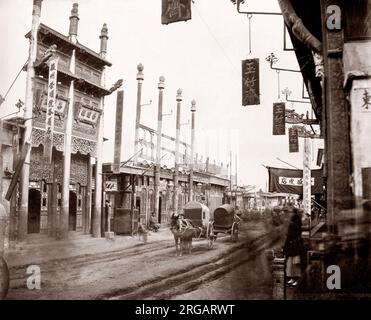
185,150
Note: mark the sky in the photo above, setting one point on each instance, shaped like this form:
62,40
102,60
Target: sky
201,56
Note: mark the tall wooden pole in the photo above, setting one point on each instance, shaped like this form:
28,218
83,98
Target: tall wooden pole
25,175
98,196
193,112
337,141
3,213
13,200
161,87
64,214
140,78
67,159
118,131
176,172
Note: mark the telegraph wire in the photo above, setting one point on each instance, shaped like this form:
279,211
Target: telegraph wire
2,99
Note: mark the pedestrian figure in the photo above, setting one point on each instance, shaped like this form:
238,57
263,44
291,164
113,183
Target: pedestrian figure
142,233
153,225
276,217
293,247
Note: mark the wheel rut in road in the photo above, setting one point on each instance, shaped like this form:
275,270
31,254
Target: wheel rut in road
185,280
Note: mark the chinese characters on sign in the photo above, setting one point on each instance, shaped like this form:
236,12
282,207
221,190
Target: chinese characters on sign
288,181
279,119
111,185
366,98
250,82
88,116
175,11
307,179
60,105
50,108
293,140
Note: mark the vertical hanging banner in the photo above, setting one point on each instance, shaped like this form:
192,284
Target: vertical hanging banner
50,108
293,140
279,123
307,178
250,82
175,11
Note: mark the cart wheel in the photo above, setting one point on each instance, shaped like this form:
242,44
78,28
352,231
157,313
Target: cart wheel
234,232
210,237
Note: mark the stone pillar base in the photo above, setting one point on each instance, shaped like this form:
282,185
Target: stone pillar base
109,235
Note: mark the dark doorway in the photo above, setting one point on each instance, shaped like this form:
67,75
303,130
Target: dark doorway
137,206
34,211
159,209
72,211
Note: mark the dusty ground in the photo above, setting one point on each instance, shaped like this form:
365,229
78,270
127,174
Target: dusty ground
152,271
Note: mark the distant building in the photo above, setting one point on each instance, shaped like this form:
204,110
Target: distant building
267,200
126,200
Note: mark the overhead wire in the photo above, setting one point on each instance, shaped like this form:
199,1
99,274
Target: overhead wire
12,84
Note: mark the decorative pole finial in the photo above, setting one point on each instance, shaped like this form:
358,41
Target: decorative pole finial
193,107
179,95
140,75
103,40
161,84
74,21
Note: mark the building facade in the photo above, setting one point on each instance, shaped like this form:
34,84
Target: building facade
132,192
59,191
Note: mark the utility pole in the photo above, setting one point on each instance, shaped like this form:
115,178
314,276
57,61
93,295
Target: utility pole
140,78
161,87
193,112
176,172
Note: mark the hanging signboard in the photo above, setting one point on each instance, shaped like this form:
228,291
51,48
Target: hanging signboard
307,179
175,11
111,185
279,127
293,140
61,104
250,82
291,181
50,108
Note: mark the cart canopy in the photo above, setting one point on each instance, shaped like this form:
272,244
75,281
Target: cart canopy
198,213
224,216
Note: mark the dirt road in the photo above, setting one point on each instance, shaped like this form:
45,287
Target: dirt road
150,271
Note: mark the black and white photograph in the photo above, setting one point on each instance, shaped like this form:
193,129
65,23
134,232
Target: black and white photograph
186,151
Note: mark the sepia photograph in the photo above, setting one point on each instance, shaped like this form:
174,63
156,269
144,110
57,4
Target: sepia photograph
192,151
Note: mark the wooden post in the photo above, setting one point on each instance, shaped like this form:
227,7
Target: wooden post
140,78
193,111
3,213
25,176
87,227
118,131
337,141
156,198
176,167
97,214
13,200
64,213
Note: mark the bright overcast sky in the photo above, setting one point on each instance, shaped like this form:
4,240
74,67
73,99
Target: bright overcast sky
201,56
